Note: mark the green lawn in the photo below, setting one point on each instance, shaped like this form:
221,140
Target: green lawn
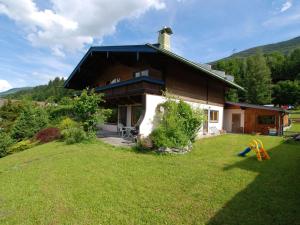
295,127
295,114
98,184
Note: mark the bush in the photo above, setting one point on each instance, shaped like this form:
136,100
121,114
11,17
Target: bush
5,143
74,135
178,125
87,110
31,120
60,111
48,134
67,123
21,146
9,112
112,116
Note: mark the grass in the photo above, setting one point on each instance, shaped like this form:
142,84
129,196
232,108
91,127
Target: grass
295,127
99,184
294,114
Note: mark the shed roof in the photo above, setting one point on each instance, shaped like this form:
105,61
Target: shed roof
247,105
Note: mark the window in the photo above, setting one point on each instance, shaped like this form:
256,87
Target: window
143,73
116,80
214,116
266,119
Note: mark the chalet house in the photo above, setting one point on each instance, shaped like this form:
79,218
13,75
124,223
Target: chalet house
132,78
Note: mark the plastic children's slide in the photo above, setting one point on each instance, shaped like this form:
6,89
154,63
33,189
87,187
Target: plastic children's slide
243,153
258,147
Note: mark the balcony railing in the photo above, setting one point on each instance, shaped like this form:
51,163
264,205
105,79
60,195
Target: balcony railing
134,86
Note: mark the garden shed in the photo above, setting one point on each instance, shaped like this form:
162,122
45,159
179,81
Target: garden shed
250,118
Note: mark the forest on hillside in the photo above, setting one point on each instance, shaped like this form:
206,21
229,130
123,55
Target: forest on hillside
54,92
267,78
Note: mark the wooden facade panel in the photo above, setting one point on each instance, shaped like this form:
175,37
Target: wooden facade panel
216,92
115,71
123,72
187,83
251,120
137,88
180,80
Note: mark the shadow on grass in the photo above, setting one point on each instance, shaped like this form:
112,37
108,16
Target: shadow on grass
273,197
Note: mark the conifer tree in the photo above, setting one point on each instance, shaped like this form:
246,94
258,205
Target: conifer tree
258,80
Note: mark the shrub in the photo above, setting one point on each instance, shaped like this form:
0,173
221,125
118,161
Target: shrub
87,110
67,123
113,116
21,146
178,124
5,143
74,135
57,112
9,112
31,120
48,134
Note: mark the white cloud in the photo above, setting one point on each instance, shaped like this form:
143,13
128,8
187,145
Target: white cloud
4,85
281,21
71,24
285,6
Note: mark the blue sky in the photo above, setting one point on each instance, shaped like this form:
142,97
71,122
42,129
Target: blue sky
40,40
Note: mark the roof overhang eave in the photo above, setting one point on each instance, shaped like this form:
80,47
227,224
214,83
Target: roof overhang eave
196,66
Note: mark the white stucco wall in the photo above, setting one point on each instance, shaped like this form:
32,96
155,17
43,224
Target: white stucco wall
152,101
228,118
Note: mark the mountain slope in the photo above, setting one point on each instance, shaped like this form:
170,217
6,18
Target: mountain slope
14,90
285,47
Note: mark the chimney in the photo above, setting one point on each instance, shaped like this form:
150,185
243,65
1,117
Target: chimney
164,38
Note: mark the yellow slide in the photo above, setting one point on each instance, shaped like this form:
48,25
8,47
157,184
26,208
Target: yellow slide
259,149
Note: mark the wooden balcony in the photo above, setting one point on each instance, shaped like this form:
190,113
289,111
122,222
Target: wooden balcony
131,87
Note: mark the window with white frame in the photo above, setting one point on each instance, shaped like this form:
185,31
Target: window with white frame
143,73
214,116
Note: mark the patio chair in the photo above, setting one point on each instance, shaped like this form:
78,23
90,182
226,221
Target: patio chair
134,132
121,129
214,131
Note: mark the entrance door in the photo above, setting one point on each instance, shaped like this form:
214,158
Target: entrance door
236,123
205,124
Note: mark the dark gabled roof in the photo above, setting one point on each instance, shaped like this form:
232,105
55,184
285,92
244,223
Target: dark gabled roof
196,66
247,105
151,48
115,48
